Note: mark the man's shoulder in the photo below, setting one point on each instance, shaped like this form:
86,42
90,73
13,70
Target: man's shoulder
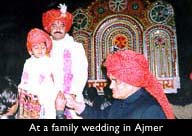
76,43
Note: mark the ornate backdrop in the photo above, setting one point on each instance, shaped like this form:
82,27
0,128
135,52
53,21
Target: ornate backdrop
139,25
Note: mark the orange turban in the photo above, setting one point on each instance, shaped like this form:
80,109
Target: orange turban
36,36
52,15
132,68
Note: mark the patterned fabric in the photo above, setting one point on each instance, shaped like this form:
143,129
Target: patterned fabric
132,68
29,106
68,76
52,15
36,36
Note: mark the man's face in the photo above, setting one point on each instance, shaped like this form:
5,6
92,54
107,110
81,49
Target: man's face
120,89
58,30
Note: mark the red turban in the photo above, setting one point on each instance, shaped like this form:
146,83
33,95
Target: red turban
132,68
36,36
52,15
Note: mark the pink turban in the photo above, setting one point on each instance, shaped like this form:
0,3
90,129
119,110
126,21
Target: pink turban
36,36
52,15
132,68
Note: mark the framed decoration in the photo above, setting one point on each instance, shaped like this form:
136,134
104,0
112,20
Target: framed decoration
160,13
80,21
117,5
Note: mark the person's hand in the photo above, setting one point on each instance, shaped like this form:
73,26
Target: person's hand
60,101
73,104
70,98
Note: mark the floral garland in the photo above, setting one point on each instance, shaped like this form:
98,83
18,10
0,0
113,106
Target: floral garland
68,76
67,70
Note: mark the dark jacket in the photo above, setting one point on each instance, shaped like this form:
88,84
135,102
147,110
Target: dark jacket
140,105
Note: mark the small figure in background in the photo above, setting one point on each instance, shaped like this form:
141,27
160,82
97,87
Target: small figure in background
8,99
94,100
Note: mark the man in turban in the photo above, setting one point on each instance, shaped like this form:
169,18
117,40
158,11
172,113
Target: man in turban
137,94
68,57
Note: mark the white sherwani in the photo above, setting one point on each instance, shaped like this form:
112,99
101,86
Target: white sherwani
70,66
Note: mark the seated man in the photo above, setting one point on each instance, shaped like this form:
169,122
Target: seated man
136,92
8,99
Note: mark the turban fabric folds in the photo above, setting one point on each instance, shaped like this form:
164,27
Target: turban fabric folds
36,36
132,68
52,15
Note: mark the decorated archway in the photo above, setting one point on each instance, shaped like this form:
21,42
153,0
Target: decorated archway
120,31
143,26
